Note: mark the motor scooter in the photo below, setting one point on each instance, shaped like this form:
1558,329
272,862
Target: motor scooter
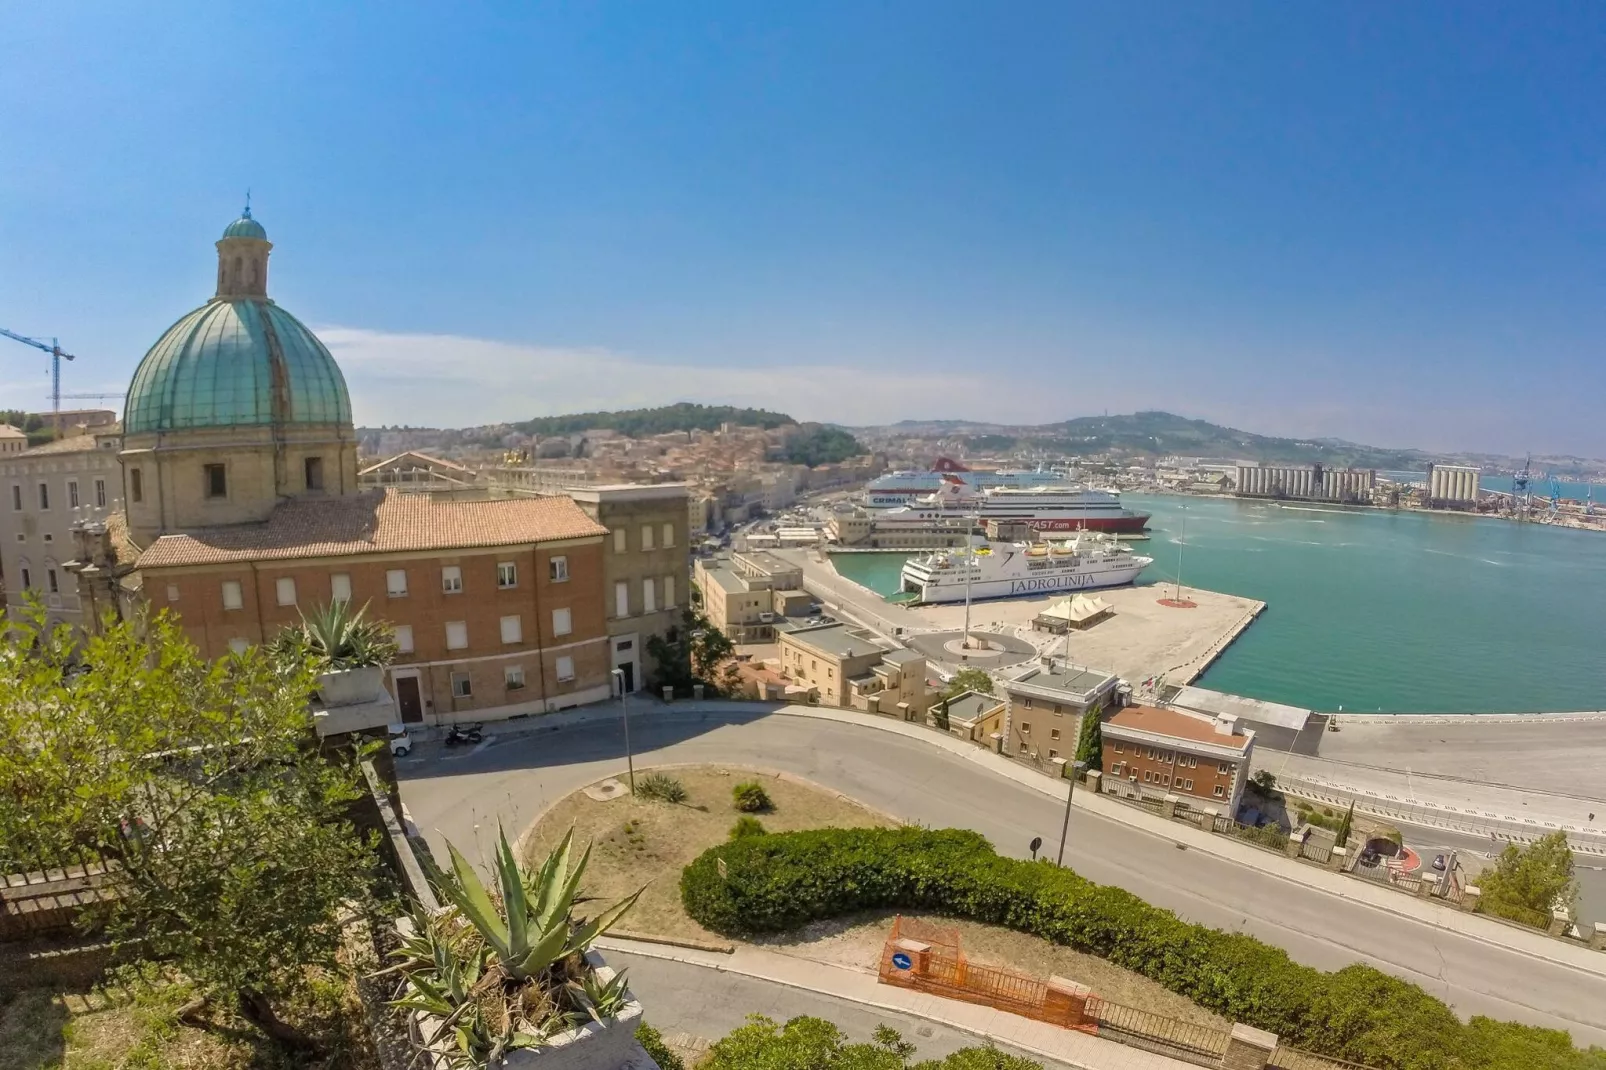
462,733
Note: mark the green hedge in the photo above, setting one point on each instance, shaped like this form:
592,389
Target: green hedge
785,880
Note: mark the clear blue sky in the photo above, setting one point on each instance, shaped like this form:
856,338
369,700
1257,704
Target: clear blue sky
1380,221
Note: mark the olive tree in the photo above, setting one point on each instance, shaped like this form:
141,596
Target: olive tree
202,786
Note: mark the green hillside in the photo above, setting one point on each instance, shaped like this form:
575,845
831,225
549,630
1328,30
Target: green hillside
637,423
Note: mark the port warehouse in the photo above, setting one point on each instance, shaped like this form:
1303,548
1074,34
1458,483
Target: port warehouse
1312,482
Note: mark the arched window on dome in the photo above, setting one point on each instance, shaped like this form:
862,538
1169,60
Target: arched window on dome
256,276
237,265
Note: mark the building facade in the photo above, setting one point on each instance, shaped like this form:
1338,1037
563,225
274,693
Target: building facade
848,667
646,570
47,489
1151,752
1045,704
1452,486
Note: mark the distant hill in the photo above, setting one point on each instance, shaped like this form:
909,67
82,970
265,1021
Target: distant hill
638,423
1162,433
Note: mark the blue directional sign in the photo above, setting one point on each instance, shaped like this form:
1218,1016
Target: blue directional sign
902,961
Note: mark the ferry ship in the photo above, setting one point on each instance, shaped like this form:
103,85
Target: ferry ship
900,488
1006,570
1044,507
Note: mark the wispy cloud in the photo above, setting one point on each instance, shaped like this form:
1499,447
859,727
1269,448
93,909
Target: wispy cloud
451,381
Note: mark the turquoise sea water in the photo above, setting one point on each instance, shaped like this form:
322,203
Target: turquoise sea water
1376,610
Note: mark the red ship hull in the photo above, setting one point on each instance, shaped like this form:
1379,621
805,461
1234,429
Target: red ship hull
1125,524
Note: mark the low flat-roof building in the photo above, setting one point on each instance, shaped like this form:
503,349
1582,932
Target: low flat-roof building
1152,752
743,612
976,716
1045,705
849,667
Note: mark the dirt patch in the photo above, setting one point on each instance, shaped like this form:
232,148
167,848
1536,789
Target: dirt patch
643,841
856,941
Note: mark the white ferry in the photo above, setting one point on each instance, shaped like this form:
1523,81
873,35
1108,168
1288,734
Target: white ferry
1046,508
901,488
1006,570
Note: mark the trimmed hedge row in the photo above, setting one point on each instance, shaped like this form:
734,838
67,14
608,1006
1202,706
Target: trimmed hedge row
781,881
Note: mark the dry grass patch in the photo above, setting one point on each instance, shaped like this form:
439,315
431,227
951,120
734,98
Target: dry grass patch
857,940
643,841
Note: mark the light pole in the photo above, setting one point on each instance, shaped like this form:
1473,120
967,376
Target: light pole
1181,543
970,562
1065,828
624,710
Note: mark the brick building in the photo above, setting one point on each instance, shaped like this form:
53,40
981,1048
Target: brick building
497,604
1151,752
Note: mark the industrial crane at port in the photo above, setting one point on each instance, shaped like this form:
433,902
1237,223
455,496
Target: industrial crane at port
56,357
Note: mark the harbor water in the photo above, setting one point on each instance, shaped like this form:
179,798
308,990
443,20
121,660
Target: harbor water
1380,611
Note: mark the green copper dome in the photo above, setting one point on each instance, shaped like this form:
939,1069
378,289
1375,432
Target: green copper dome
245,227
236,363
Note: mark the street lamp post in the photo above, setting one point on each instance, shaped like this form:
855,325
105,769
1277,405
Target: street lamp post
1181,542
1065,827
624,710
970,562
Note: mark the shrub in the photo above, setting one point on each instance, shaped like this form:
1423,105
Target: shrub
653,1042
1266,836
746,826
784,880
661,786
805,1043
751,798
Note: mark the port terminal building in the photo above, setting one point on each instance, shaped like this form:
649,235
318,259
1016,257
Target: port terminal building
1306,482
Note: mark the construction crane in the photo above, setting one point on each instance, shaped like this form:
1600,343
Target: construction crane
1555,495
56,357
1519,490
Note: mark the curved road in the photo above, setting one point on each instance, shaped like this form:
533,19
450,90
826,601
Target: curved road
462,797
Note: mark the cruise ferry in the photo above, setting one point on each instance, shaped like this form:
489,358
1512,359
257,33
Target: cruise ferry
1044,507
900,488
1006,570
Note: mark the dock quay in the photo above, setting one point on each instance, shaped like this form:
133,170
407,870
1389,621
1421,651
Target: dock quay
1141,639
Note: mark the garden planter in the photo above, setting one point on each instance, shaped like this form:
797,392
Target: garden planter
352,687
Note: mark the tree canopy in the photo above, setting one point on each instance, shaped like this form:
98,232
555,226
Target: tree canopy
806,1043
971,679
636,423
819,444
200,784
1537,877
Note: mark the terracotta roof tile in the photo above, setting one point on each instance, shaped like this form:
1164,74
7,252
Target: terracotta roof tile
1174,724
376,522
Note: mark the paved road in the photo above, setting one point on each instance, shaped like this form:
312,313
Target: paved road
707,1004
1475,854
514,779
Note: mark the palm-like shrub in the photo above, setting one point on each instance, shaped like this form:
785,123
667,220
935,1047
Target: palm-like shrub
335,638
751,798
508,970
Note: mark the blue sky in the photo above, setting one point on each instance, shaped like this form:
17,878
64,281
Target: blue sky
1378,221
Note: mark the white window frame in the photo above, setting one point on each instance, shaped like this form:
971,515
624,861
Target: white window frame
44,497
513,677
239,594
461,634
562,621
404,638
558,568
507,575
239,646
646,537
52,581
340,587
72,493
620,540
16,497
513,629
621,598
100,494
669,592
172,592
393,588
466,690
649,595
669,536
282,586
564,668
451,579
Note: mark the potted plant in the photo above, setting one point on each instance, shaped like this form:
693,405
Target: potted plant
351,648
508,978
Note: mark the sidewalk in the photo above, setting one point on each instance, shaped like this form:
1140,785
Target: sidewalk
1046,1041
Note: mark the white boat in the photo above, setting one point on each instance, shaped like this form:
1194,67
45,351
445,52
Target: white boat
1045,507
1016,569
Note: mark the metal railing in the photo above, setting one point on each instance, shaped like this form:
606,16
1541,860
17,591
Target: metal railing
1201,1044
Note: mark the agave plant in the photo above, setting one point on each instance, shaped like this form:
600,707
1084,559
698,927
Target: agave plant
507,971
340,637
532,930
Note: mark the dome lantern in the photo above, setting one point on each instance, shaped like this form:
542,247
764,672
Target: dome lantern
242,258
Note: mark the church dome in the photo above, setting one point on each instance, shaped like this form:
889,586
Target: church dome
246,227
239,360
236,363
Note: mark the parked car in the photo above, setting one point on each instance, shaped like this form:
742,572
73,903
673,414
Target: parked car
1438,862
401,741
